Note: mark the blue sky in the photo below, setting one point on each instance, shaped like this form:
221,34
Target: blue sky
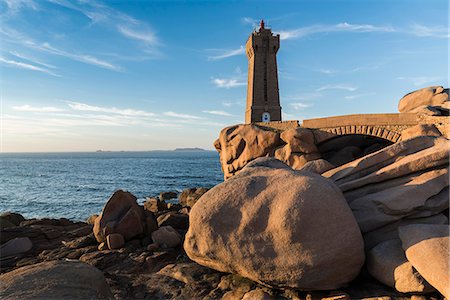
143,75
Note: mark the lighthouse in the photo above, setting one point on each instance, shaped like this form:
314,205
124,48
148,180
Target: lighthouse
263,99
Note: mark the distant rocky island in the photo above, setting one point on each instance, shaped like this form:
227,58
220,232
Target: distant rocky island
189,149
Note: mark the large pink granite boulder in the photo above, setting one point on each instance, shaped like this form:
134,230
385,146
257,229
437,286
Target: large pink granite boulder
427,248
428,100
121,214
55,280
278,227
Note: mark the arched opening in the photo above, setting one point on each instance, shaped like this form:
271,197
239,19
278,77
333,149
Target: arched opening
266,117
345,148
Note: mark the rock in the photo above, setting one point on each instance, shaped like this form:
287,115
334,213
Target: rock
390,231
345,155
408,179
11,217
80,242
115,241
150,222
16,246
426,193
269,234
154,205
420,130
153,247
55,280
427,248
121,214
432,110
189,197
317,166
102,246
5,223
300,139
167,237
388,264
103,259
91,219
402,158
168,195
184,272
175,220
257,294
432,96
240,144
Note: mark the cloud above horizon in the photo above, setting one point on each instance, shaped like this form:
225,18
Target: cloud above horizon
415,29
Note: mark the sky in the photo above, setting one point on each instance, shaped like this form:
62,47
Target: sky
80,75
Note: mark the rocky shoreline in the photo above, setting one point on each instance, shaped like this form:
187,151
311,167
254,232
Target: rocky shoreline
286,224
141,268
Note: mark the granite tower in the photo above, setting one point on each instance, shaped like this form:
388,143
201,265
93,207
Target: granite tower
263,99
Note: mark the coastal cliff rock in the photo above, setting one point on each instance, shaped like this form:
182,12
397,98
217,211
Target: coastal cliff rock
55,280
388,264
427,248
274,217
431,100
240,144
122,215
408,179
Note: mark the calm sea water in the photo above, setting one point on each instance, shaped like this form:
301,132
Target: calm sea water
76,185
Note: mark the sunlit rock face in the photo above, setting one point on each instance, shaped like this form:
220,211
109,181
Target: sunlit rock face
277,226
240,144
431,100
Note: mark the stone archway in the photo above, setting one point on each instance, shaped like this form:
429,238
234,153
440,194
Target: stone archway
386,133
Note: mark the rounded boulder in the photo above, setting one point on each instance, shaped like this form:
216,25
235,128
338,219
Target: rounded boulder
278,227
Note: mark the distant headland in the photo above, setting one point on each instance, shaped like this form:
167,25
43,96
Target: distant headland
189,149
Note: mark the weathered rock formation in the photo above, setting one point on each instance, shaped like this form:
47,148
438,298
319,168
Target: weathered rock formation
277,227
122,215
55,280
431,100
427,248
388,264
406,180
240,144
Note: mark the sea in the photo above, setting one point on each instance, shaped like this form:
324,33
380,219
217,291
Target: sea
77,185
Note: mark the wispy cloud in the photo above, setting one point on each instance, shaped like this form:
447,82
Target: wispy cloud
426,31
30,108
341,27
26,66
415,29
146,36
217,112
249,20
126,25
327,71
19,38
368,67
225,53
16,5
228,82
233,103
337,87
351,97
88,59
423,80
299,105
32,59
92,108
182,116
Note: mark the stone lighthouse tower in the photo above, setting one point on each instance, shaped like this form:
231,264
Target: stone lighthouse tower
263,99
